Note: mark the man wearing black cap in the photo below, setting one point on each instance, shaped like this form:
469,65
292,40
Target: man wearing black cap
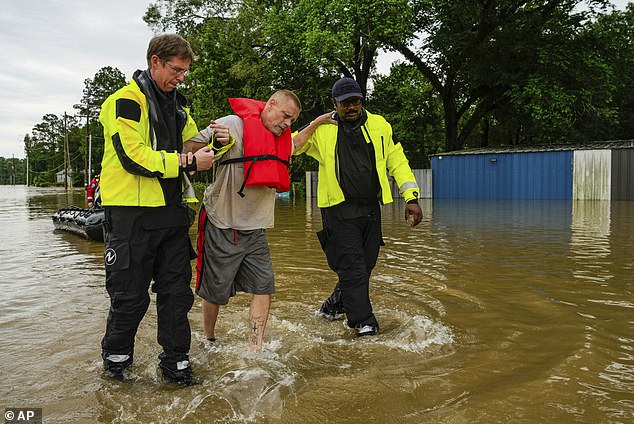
353,157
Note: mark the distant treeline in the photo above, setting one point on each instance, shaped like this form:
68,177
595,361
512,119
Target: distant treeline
473,73
12,171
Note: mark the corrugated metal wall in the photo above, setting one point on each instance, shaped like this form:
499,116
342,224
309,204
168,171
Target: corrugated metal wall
523,175
592,172
423,178
623,174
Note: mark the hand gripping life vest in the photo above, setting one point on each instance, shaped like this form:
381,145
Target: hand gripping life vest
266,157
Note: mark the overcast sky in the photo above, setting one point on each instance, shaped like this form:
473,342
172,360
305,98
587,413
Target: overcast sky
50,47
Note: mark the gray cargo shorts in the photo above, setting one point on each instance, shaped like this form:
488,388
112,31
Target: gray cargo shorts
235,260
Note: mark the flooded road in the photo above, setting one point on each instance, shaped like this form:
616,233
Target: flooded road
490,312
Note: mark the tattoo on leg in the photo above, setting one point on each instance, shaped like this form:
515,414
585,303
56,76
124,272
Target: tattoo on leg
256,324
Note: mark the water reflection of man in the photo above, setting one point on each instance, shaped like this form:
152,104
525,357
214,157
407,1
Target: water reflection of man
353,156
145,124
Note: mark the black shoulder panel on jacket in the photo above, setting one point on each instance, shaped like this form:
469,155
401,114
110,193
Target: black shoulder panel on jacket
128,109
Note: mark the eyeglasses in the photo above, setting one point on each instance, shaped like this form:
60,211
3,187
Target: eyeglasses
177,71
352,101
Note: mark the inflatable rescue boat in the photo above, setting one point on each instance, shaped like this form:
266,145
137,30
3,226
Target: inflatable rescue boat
84,222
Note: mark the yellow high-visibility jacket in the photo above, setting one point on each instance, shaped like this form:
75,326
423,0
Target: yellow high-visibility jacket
389,157
131,167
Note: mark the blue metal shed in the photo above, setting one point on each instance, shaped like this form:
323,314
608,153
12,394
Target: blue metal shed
561,172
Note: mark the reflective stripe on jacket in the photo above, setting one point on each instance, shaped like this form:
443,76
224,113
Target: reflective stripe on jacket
389,156
130,165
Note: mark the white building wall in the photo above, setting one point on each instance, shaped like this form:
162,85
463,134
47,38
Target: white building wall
592,172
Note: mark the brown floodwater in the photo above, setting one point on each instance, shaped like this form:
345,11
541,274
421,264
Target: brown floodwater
490,312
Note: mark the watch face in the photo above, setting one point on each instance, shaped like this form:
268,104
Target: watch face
415,194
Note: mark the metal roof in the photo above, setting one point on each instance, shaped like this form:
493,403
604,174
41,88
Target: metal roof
595,145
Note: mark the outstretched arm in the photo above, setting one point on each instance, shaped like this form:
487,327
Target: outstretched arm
302,137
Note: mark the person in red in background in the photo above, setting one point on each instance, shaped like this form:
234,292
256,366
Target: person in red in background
93,192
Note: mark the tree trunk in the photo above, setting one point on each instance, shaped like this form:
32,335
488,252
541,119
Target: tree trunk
484,136
451,123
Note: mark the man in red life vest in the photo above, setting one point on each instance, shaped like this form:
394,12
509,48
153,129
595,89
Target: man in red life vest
237,208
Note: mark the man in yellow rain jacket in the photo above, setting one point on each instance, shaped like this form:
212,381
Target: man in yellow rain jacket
355,156
145,124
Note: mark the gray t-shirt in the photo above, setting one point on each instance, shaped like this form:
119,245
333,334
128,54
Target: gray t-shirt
225,207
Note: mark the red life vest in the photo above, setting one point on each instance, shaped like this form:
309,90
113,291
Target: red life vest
266,157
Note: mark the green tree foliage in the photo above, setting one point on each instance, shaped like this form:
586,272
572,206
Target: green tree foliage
479,54
317,41
45,149
12,171
567,97
612,37
420,129
97,89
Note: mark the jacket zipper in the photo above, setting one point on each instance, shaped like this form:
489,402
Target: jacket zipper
377,169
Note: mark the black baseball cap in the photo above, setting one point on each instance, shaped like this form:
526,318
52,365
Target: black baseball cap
346,88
